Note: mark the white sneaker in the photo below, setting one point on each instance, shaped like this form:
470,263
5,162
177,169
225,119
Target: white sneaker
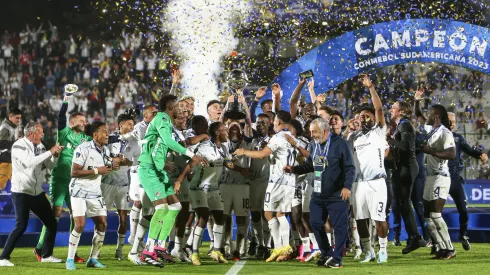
181,256
135,258
370,256
51,259
358,253
6,262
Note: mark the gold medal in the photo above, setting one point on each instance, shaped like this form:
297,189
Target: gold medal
229,164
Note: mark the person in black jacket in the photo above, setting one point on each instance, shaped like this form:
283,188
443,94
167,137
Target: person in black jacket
457,189
8,135
402,146
331,160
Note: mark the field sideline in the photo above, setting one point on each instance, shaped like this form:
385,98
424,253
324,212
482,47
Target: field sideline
475,261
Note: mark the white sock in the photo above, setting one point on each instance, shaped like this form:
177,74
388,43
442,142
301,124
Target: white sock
218,236
73,244
329,237
97,242
275,233
143,226
313,241
259,232
284,230
434,234
355,233
306,244
121,238
134,217
383,243
190,238
198,231
241,236
267,236
366,244
161,243
209,226
179,242
442,229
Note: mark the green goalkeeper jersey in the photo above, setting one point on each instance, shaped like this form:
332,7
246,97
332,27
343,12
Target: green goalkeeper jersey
158,141
70,139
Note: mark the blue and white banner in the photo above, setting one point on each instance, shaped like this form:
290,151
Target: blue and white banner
477,192
390,43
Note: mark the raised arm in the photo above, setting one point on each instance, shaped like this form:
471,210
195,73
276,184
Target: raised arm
260,93
378,106
62,114
293,101
416,107
276,97
311,90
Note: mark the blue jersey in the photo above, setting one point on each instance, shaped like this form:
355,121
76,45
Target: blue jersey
456,165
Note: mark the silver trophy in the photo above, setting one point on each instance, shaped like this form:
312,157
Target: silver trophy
238,80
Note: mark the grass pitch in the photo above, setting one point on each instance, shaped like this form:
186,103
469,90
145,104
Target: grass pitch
475,261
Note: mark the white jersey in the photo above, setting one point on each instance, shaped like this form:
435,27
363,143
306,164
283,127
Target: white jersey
89,156
369,153
131,150
179,160
234,177
440,139
139,132
282,155
208,178
260,167
301,180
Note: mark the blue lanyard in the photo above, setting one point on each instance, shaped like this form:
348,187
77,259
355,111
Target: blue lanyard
101,151
124,144
216,149
428,136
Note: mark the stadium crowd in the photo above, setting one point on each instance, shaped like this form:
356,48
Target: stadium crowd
175,173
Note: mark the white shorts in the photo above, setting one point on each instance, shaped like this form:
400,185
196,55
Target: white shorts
257,195
134,187
298,196
369,199
236,198
436,187
307,198
88,207
147,208
206,199
117,195
278,198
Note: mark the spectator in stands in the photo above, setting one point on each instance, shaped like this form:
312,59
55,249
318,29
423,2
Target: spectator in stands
8,135
469,111
481,125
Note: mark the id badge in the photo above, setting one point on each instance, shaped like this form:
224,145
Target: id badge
317,183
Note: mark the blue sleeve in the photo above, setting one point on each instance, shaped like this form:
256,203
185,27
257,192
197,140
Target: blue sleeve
62,116
465,147
253,107
349,169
